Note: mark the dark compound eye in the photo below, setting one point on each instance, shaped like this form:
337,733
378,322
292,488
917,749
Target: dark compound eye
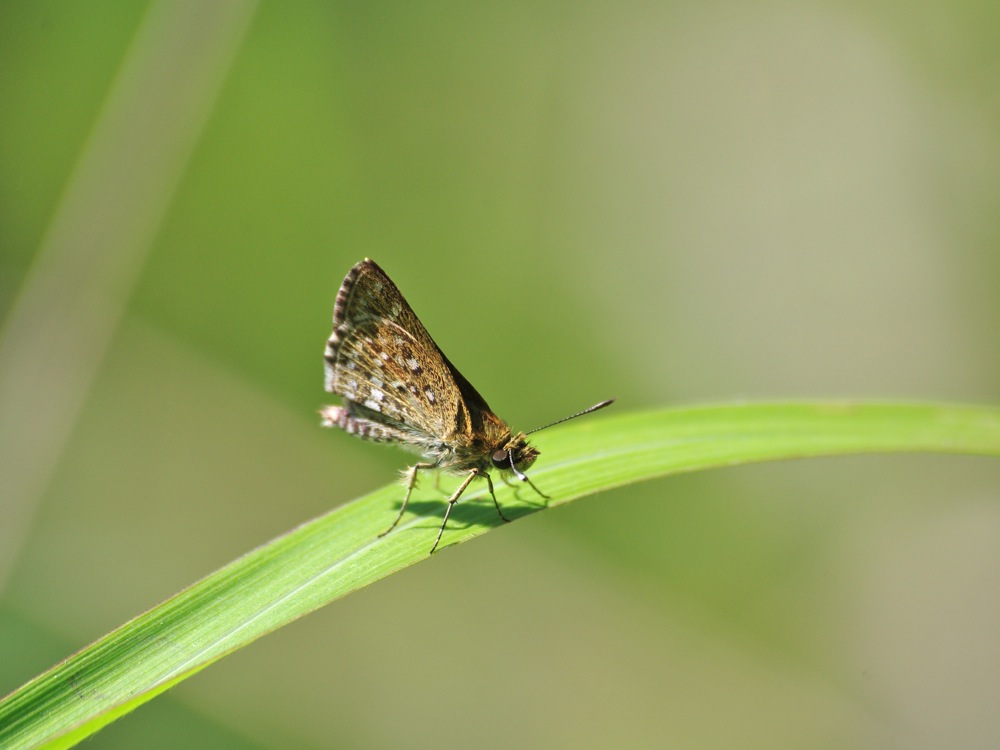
500,459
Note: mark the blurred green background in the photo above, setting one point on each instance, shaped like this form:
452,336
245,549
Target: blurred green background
664,202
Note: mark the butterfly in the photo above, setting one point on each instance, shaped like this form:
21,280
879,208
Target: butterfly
398,387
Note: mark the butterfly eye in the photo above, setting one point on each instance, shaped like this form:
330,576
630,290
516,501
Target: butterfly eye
500,459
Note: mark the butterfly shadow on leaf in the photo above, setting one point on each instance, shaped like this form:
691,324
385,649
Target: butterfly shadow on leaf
475,508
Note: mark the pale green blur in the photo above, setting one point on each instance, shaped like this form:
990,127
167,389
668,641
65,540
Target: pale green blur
666,203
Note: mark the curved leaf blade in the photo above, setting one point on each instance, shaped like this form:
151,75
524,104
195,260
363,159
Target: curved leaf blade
339,552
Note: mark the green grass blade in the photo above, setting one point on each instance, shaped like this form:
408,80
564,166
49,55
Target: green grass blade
339,552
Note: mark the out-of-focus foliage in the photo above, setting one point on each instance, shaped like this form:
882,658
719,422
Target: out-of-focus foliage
661,202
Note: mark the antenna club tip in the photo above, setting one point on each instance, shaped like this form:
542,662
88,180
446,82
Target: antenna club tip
601,405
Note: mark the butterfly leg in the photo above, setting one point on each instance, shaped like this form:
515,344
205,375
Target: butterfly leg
411,480
507,482
451,504
458,493
532,485
490,483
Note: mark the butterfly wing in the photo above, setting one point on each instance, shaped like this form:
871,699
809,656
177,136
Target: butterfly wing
381,359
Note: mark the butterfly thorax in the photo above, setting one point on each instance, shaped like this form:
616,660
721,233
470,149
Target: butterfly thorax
488,446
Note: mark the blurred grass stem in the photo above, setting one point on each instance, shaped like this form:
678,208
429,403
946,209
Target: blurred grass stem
76,293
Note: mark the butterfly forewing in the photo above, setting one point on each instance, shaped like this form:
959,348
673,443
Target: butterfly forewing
381,357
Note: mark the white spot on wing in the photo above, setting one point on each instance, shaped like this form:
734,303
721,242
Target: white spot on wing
373,405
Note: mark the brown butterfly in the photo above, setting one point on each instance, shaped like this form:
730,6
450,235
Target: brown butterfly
398,387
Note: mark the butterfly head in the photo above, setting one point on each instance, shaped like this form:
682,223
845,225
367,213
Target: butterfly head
515,455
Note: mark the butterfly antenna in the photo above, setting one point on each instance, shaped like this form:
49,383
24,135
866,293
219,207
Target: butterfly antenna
595,407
